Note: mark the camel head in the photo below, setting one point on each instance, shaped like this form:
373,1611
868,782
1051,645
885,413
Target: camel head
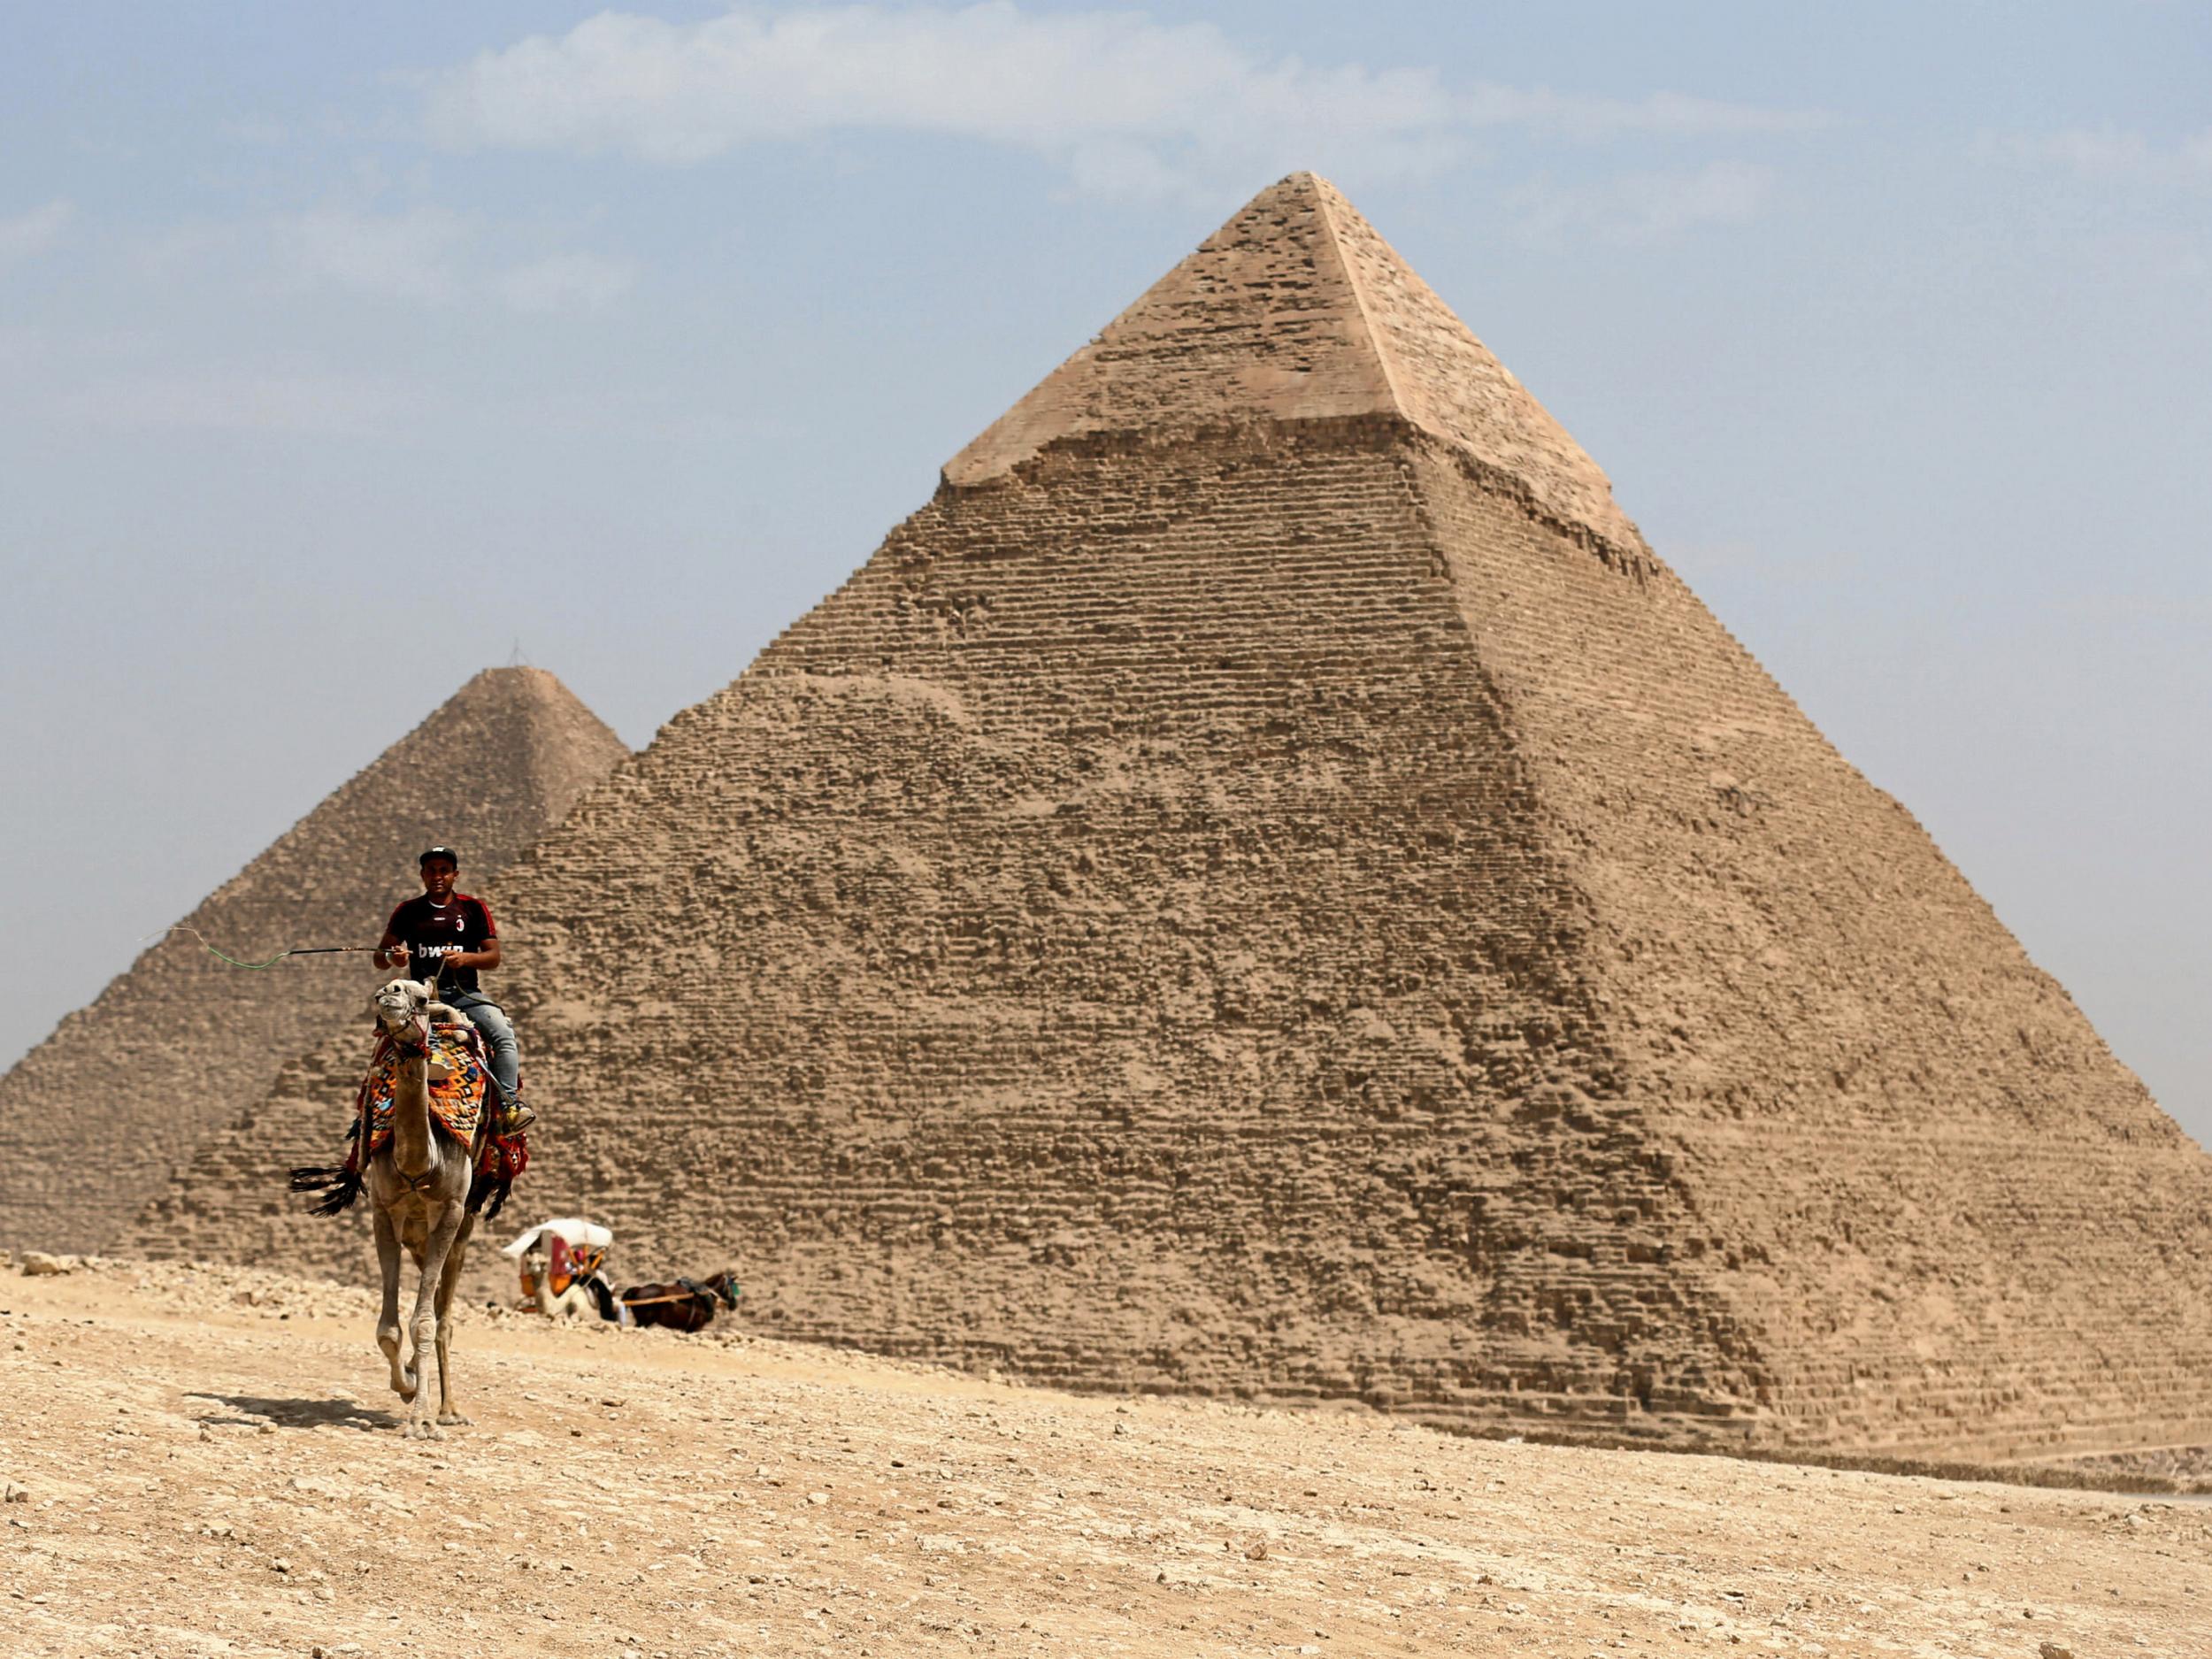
399,1006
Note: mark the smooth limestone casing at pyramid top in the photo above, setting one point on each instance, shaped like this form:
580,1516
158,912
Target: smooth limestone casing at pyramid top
1265,886
96,1121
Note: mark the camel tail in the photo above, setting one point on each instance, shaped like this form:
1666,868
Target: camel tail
339,1185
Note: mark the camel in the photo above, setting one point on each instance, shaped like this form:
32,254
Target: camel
418,1187
575,1303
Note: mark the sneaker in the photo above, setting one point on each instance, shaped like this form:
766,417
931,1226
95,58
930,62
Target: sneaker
518,1116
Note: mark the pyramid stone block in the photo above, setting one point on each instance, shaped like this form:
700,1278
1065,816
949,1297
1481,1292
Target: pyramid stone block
1265,886
173,1047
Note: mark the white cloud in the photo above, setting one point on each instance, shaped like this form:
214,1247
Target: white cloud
28,235
20,348
399,256
2084,152
1719,193
239,401
1128,104
1669,114
2106,152
566,283
172,254
254,130
1646,207
425,255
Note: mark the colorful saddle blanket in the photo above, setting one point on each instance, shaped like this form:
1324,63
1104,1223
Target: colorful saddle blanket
457,1098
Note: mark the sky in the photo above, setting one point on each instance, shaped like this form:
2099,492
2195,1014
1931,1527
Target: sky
345,351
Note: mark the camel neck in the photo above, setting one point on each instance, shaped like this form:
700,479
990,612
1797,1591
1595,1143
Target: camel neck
414,1151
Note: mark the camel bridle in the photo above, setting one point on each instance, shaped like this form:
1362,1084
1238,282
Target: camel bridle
419,1019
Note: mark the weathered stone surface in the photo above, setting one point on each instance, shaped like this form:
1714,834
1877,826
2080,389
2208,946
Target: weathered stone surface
1266,885
1296,311
96,1120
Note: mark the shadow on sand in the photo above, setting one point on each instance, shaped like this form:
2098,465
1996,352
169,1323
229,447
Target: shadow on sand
255,1409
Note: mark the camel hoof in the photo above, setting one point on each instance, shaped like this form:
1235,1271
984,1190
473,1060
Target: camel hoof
453,1419
425,1430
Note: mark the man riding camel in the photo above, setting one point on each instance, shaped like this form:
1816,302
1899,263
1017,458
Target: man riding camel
448,936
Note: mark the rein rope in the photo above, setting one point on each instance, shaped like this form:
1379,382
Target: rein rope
673,1295
691,1291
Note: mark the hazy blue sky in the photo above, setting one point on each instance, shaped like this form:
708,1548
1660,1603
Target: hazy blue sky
343,348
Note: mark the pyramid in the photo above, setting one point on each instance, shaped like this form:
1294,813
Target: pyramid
1266,887
95,1119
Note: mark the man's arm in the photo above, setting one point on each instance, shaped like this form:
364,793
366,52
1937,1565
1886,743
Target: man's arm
389,952
486,957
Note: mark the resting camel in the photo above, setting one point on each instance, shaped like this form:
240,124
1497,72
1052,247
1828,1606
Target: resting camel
418,1186
575,1303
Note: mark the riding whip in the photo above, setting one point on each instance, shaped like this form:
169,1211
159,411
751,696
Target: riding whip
297,950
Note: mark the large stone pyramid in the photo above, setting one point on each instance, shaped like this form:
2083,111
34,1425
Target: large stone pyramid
96,1118
1266,885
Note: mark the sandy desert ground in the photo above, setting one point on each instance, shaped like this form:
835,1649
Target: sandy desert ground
205,1461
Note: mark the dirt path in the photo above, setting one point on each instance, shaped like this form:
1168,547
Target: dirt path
234,1482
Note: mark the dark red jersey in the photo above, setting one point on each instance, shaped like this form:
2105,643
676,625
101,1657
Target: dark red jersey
430,931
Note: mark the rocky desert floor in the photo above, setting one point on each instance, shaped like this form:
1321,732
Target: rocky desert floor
207,1460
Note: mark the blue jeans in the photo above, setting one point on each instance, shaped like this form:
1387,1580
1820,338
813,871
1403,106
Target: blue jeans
499,1036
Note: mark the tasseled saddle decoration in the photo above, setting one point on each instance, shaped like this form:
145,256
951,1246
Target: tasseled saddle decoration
342,1180
504,1158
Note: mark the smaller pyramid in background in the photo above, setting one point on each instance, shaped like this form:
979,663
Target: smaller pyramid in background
96,1118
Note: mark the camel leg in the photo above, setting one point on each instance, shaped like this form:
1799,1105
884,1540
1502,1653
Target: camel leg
387,1319
421,1425
449,1414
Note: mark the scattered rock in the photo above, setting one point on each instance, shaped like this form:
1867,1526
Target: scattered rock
938,1481
37,1264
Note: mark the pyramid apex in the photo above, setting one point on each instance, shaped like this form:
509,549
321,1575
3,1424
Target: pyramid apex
1296,309
543,731
515,676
